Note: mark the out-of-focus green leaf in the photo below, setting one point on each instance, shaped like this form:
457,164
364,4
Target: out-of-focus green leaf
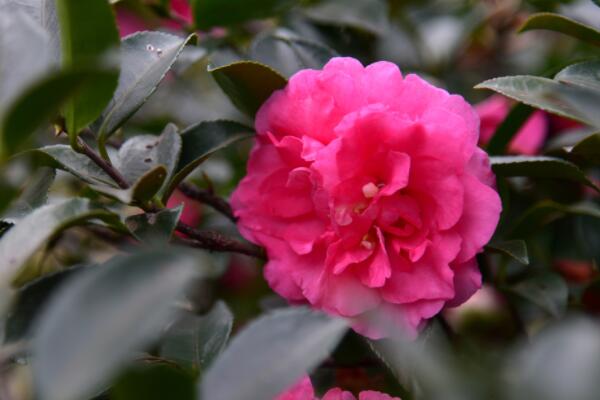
158,382
508,129
196,341
214,13
146,57
34,195
88,33
543,93
559,23
142,191
516,249
547,290
200,141
288,53
562,362
588,149
37,228
248,84
92,326
155,228
304,337
539,167
586,74
368,15
142,153
64,158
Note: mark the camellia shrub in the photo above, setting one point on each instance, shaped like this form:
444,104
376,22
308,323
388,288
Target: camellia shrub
299,200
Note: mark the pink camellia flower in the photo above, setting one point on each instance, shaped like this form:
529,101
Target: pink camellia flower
303,390
370,195
192,212
129,22
530,137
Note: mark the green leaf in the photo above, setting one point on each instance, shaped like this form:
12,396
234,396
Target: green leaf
88,33
248,84
539,167
142,153
146,57
285,344
508,129
64,158
588,149
288,53
214,13
543,93
558,23
34,195
585,74
516,249
546,290
93,325
155,228
200,141
39,227
157,382
46,97
367,15
142,191
194,341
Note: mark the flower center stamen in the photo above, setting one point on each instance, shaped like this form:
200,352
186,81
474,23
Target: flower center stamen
370,190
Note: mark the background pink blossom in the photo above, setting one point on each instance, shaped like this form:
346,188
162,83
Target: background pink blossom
303,390
370,195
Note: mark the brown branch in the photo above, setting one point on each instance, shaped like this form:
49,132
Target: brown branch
209,198
102,163
215,241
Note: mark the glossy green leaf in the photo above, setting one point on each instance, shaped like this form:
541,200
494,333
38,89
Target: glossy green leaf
64,158
367,15
202,140
146,57
196,341
37,228
559,23
155,228
248,84
213,13
88,33
542,93
508,129
539,167
547,290
93,325
289,53
286,344
143,190
585,74
33,195
516,249
154,382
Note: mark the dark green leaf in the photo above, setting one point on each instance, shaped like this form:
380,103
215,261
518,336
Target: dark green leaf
539,167
285,344
542,93
196,341
586,74
88,33
142,191
516,249
288,53
34,195
93,325
558,23
64,158
212,13
146,57
155,228
368,15
200,141
547,290
508,129
37,228
158,382
588,149
248,84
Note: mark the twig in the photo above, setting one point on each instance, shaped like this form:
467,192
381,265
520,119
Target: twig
102,163
215,241
207,197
